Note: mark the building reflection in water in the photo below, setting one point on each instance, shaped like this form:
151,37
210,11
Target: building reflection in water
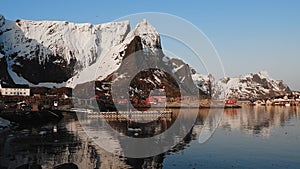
47,146
258,120
43,146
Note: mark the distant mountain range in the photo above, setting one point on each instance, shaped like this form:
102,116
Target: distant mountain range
60,53
249,86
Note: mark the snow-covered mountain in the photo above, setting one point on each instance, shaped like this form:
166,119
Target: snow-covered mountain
141,49
57,53
111,59
54,51
250,86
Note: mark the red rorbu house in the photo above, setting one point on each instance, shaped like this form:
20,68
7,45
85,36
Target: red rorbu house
230,101
156,99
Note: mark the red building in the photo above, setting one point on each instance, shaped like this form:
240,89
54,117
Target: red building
156,99
230,101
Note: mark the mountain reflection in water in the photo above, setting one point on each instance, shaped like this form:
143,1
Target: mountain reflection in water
251,137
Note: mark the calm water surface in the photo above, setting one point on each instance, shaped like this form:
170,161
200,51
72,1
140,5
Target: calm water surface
257,137
251,137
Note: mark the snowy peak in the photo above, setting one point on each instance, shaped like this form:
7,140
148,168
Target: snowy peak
145,28
203,82
249,86
149,36
264,74
255,86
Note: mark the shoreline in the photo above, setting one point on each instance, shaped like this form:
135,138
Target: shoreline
31,117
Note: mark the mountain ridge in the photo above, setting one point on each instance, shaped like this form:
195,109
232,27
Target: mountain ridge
247,86
44,45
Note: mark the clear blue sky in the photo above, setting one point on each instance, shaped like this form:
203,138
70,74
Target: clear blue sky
250,35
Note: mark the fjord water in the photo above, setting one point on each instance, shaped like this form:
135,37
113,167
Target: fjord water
250,137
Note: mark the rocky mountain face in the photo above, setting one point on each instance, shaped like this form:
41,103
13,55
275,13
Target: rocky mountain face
59,52
4,75
140,67
250,86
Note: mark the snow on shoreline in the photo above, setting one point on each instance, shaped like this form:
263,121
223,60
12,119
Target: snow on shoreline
4,123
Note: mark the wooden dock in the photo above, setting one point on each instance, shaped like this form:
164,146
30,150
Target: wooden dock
134,115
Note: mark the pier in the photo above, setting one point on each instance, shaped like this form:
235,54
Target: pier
126,115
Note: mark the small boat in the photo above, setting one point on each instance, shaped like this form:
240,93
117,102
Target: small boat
134,129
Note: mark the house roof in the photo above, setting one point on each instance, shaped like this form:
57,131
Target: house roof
14,86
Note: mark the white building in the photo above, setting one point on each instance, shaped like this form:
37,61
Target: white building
20,90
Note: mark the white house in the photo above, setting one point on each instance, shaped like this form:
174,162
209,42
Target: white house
19,90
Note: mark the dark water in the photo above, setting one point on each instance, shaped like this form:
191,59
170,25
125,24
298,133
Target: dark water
251,137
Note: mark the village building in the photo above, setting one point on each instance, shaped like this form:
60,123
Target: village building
230,101
16,90
156,99
156,96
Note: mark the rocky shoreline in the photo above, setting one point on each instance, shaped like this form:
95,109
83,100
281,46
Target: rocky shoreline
31,117
4,123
